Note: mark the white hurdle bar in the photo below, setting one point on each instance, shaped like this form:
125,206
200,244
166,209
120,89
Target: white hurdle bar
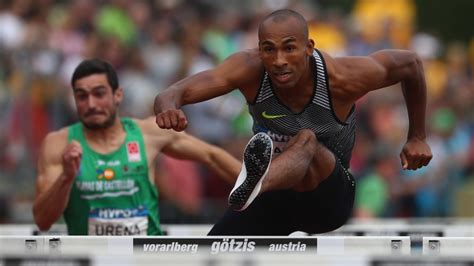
356,227
321,245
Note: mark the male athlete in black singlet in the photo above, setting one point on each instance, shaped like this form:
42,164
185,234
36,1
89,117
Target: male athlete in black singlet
294,176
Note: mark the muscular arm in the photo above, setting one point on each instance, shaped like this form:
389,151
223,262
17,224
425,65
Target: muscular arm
52,185
186,147
240,70
353,77
384,68
181,145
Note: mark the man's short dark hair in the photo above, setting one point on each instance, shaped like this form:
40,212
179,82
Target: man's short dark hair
96,66
284,14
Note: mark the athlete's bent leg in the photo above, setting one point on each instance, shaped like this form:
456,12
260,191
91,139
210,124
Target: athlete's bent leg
301,166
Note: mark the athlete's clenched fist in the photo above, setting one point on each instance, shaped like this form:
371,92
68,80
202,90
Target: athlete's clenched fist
71,159
169,117
172,119
415,154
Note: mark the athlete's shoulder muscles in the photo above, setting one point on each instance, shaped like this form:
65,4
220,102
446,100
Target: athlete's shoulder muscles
241,67
235,72
242,70
49,160
354,76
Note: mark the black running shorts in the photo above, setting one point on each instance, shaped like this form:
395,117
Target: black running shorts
283,212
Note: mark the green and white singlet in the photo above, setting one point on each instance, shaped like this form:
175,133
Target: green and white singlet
112,193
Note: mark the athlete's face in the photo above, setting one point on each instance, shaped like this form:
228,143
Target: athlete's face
96,103
284,50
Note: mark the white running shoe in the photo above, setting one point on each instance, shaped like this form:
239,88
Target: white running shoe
257,158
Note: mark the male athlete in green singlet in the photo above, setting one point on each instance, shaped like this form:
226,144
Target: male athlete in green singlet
98,172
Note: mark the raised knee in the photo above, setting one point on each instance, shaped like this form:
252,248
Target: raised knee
305,140
307,136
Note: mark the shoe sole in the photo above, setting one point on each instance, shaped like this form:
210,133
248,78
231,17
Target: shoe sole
257,159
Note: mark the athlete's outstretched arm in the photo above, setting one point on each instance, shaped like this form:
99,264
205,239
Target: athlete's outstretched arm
186,147
57,167
181,145
356,76
233,73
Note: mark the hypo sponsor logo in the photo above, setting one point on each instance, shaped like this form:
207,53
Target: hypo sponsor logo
118,213
278,137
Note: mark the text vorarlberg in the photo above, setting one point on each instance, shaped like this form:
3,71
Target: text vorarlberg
171,247
224,245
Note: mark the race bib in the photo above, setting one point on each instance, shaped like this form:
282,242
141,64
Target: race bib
111,221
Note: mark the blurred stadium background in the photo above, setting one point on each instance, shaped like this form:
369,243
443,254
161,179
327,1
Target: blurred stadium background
153,43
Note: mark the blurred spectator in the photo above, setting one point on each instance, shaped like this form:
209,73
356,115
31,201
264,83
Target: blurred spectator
162,55
465,195
450,143
181,185
114,20
328,33
138,87
379,19
12,31
428,47
223,37
374,193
